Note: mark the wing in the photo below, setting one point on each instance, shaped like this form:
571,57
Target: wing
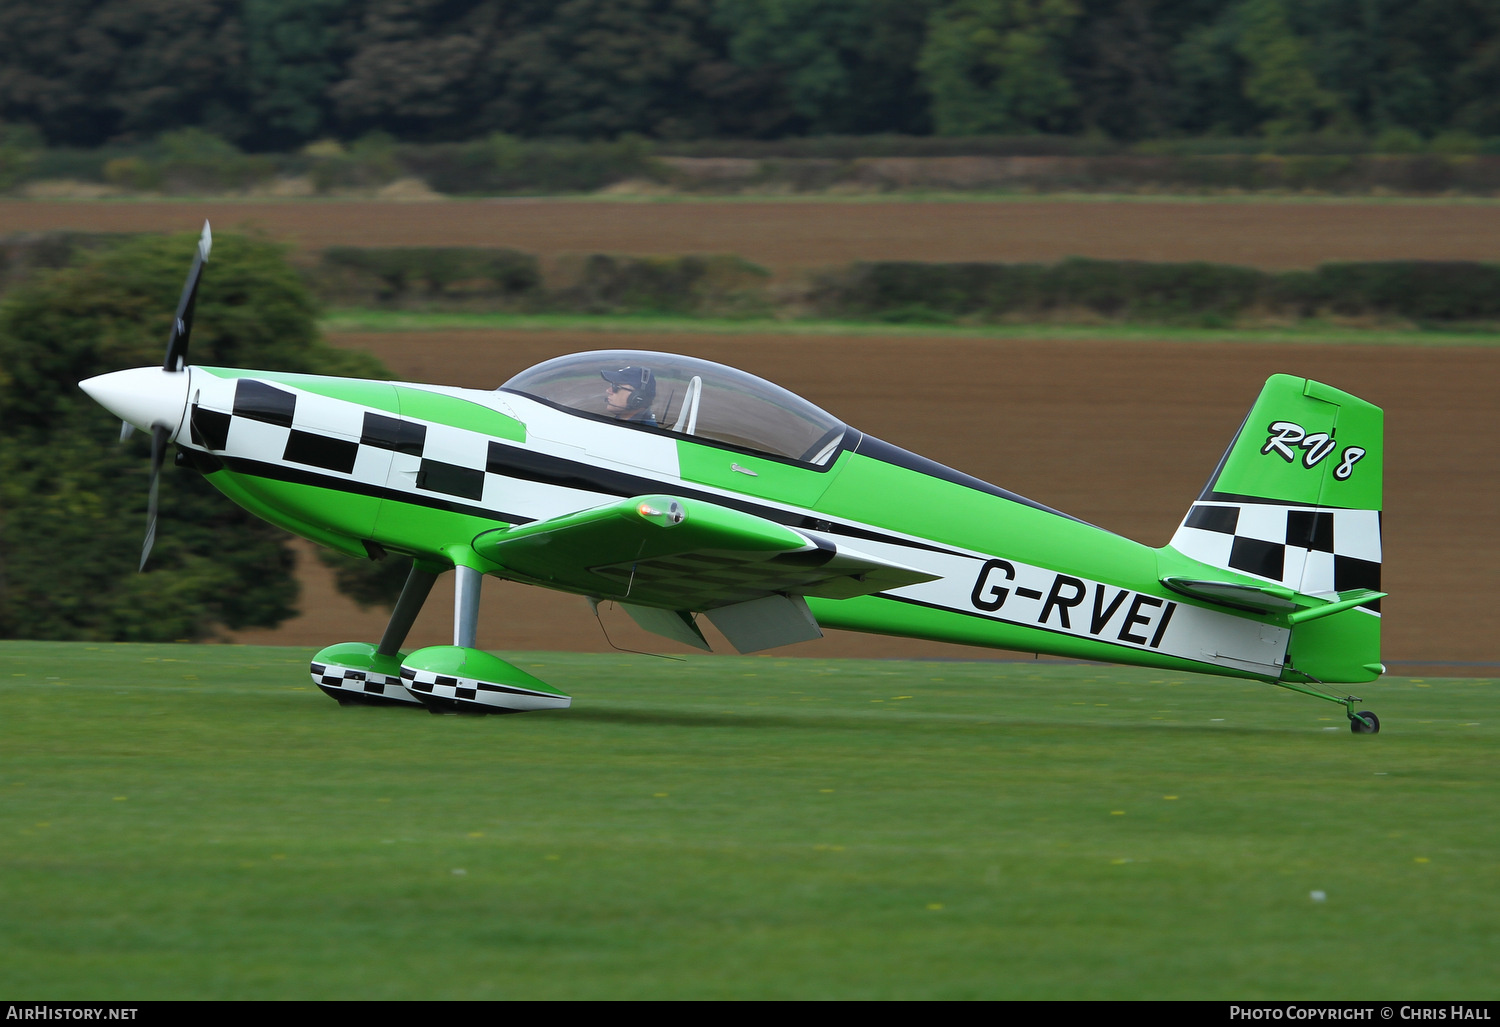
678,555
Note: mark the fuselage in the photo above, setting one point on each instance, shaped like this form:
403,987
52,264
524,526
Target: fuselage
371,467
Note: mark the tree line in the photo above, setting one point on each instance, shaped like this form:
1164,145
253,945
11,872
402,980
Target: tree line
271,75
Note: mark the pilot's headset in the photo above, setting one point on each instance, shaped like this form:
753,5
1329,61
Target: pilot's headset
640,379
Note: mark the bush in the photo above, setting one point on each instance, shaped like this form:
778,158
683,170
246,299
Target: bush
505,164
1399,140
20,147
191,160
1120,289
484,279
73,499
396,276
677,285
1435,291
1200,293
368,163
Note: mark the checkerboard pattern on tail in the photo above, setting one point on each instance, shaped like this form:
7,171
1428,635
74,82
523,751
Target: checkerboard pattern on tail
1313,550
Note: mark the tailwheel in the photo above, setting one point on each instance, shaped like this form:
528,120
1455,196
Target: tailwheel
1364,723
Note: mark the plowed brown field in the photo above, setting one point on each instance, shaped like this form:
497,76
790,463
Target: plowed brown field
786,235
1120,434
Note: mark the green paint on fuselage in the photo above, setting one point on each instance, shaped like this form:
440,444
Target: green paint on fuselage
438,408
374,394
395,398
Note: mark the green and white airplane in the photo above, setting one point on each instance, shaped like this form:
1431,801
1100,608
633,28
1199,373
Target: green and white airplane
680,488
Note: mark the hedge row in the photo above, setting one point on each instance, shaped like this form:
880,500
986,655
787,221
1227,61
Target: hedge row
462,278
1418,174
1423,292
192,161
1186,293
397,276
1390,141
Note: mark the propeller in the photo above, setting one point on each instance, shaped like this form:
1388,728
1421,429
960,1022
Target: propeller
182,324
175,362
159,436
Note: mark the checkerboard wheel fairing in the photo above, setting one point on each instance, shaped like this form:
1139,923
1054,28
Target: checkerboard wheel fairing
456,678
351,684
356,672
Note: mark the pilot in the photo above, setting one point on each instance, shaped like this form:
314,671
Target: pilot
630,393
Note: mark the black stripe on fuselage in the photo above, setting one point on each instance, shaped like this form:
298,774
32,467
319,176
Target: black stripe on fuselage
561,473
299,476
875,449
529,465
544,469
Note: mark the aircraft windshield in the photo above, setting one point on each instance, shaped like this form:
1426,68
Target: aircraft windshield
692,397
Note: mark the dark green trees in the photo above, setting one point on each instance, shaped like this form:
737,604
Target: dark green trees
73,499
275,74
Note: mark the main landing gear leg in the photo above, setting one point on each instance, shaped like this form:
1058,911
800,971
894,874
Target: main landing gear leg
414,594
358,673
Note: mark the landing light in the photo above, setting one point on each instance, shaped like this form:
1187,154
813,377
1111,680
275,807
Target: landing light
673,514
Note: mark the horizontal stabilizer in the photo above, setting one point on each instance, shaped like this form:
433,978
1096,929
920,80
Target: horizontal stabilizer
1259,598
1297,607
1344,601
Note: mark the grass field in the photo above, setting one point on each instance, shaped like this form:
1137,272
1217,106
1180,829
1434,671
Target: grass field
201,823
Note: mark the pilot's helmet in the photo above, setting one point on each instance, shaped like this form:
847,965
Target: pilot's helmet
639,378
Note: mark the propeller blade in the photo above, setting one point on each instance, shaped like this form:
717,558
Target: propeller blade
159,436
176,360
182,324
126,430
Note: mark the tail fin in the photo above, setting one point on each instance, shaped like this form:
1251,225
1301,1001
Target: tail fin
1296,502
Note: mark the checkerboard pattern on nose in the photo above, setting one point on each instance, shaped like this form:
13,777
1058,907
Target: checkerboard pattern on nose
1315,550
261,420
